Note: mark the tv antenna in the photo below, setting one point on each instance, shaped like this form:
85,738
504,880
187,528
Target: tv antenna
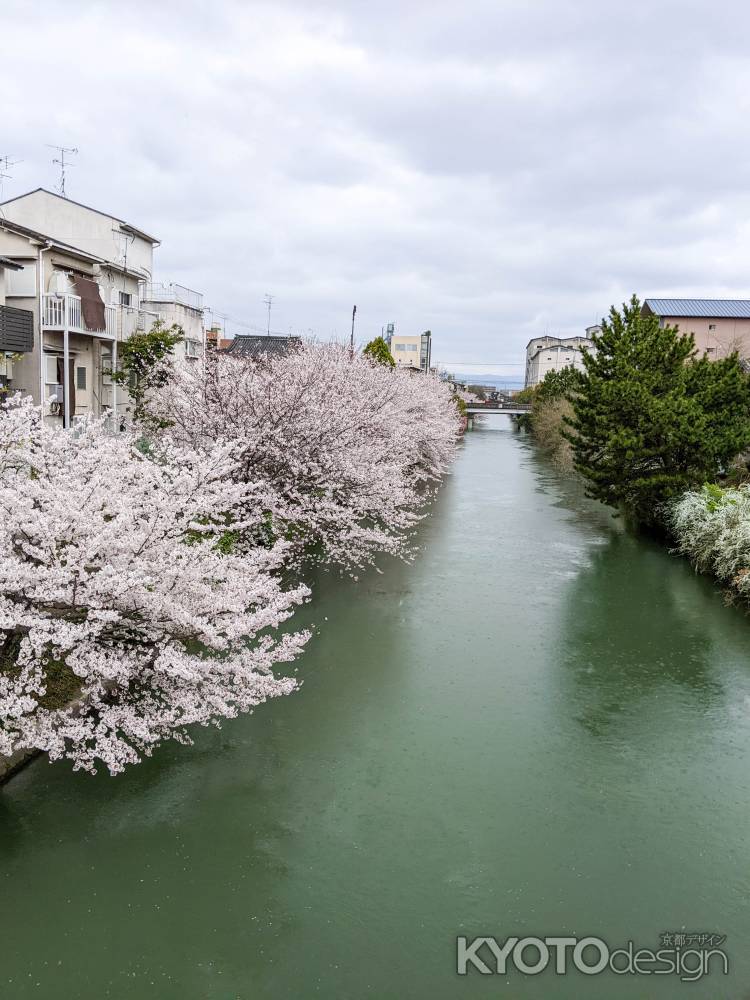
6,165
223,317
63,164
268,300
125,241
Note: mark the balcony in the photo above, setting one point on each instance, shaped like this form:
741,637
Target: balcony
61,311
121,322
160,292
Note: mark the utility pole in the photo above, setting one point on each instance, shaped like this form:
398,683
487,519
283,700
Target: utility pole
351,342
269,301
62,150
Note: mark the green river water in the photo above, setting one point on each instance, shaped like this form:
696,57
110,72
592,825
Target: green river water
541,727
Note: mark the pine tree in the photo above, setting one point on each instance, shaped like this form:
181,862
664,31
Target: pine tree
652,419
378,350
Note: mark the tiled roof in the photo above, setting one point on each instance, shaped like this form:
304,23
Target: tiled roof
252,346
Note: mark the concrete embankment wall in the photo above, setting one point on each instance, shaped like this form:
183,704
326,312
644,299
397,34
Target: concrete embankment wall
9,765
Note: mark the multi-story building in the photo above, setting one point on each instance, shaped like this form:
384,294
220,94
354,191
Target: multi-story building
720,326
78,272
551,354
412,351
175,304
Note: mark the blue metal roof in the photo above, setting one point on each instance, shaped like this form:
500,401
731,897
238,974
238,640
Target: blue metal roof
710,308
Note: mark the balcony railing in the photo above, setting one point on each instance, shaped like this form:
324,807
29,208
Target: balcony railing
158,291
65,310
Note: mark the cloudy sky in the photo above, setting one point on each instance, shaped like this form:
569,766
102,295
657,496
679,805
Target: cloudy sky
488,169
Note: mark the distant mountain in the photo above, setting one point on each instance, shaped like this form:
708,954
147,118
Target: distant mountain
508,381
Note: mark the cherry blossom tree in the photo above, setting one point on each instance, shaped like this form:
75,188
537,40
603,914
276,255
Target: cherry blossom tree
345,451
119,569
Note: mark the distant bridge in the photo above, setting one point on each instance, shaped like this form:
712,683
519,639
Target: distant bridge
497,406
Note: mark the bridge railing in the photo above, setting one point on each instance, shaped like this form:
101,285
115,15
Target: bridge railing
491,404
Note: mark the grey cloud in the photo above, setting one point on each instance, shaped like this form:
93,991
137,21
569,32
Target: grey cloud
488,170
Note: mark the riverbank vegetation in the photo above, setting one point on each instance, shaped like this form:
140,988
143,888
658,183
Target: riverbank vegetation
712,528
551,410
152,573
658,433
651,419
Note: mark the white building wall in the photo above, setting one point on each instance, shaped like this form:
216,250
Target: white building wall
188,319
547,354
88,230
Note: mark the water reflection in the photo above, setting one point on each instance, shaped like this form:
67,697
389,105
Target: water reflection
648,650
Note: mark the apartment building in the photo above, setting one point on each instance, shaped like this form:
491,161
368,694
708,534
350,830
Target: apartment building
176,304
83,275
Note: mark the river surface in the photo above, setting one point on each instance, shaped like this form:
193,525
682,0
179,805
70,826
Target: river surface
540,727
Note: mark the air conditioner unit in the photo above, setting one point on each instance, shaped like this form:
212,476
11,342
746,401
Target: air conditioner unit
56,400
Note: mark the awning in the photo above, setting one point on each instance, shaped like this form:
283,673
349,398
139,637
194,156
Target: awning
92,305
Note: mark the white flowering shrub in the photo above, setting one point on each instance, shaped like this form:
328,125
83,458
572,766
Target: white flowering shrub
117,569
712,528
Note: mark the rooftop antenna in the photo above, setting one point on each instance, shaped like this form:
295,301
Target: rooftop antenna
6,164
62,150
223,317
268,300
129,238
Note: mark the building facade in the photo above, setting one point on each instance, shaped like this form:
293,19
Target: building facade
412,351
720,326
551,354
79,274
177,305
86,277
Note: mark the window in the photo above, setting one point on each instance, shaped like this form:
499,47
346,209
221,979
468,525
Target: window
80,378
710,350
52,386
403,347
23,282
192,348
711,326
106,361
126,299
